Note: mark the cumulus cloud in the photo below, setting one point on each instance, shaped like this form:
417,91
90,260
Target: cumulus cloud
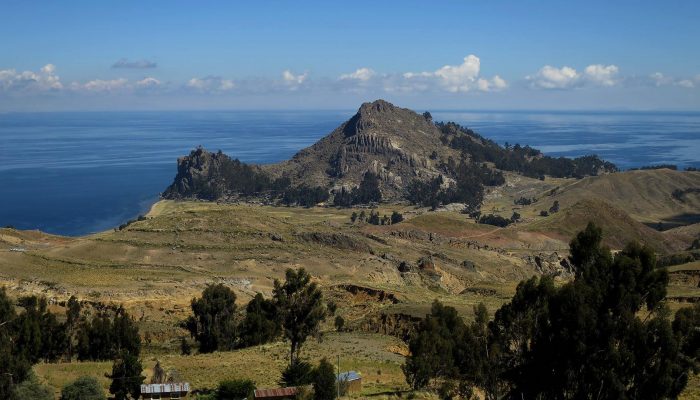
455,78
140,64
549,77
292,80
463,77
361,74
603,75
43,80
211,84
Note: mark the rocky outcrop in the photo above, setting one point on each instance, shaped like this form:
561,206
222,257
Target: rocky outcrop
394,143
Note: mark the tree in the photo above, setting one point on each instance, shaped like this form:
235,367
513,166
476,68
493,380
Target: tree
14,367
368,191
582,339
126,377
158,374
339,323
298,373
185,348
396,217
73,309
83,388
324,381
353,217
213,324
235,390
261,323
301,308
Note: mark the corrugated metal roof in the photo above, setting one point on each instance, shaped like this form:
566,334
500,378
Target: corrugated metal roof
279,392
348,376
165,387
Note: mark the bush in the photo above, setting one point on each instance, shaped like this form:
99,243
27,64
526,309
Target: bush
339,323
236,389
495,220
297,374
324,381
83,388
396,217
31,389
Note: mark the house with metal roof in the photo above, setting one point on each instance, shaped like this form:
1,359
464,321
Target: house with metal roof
277,394
165,390
349,381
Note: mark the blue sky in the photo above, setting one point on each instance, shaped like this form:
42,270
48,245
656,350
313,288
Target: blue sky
84,55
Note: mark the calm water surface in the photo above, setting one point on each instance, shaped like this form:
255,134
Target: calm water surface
77,173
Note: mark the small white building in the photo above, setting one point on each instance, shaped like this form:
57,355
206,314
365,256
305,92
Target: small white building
165,390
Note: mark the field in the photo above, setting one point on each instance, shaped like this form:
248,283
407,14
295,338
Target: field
380,276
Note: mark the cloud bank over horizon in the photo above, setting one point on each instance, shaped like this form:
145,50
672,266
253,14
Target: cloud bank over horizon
463,80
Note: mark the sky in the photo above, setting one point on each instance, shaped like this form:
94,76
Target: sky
492,55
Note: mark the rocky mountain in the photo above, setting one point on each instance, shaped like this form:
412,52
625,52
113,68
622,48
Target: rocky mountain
405,152
392,142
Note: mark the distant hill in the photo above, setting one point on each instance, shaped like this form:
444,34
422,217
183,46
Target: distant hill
618,227
405,154
646,195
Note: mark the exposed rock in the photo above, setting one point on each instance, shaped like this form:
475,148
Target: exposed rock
426,264
469,265
375,294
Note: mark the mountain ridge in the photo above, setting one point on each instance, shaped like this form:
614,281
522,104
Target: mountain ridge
407,152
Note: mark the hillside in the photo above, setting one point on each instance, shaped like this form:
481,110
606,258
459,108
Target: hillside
647,196
411,158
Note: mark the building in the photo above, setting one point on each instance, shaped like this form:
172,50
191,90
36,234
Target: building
165,390
276,394
350,381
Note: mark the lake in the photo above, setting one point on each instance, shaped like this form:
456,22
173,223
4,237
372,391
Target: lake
78,173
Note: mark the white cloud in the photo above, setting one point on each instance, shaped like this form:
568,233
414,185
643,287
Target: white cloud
602,74
452,78
549,77
294,80
361,74
148,83
99,85
211,84
658,79
43,80
686,83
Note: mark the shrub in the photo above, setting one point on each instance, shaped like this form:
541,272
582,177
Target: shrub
235,389
297,374
83,388
324,381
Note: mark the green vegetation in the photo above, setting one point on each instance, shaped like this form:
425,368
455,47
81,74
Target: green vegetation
324,381
261,324
301,308
525,160
213,324
566,342
368,192
126,377
235,389
83,388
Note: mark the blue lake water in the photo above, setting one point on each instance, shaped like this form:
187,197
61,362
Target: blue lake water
77,173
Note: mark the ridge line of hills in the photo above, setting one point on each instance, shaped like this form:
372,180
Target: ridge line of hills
383,152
